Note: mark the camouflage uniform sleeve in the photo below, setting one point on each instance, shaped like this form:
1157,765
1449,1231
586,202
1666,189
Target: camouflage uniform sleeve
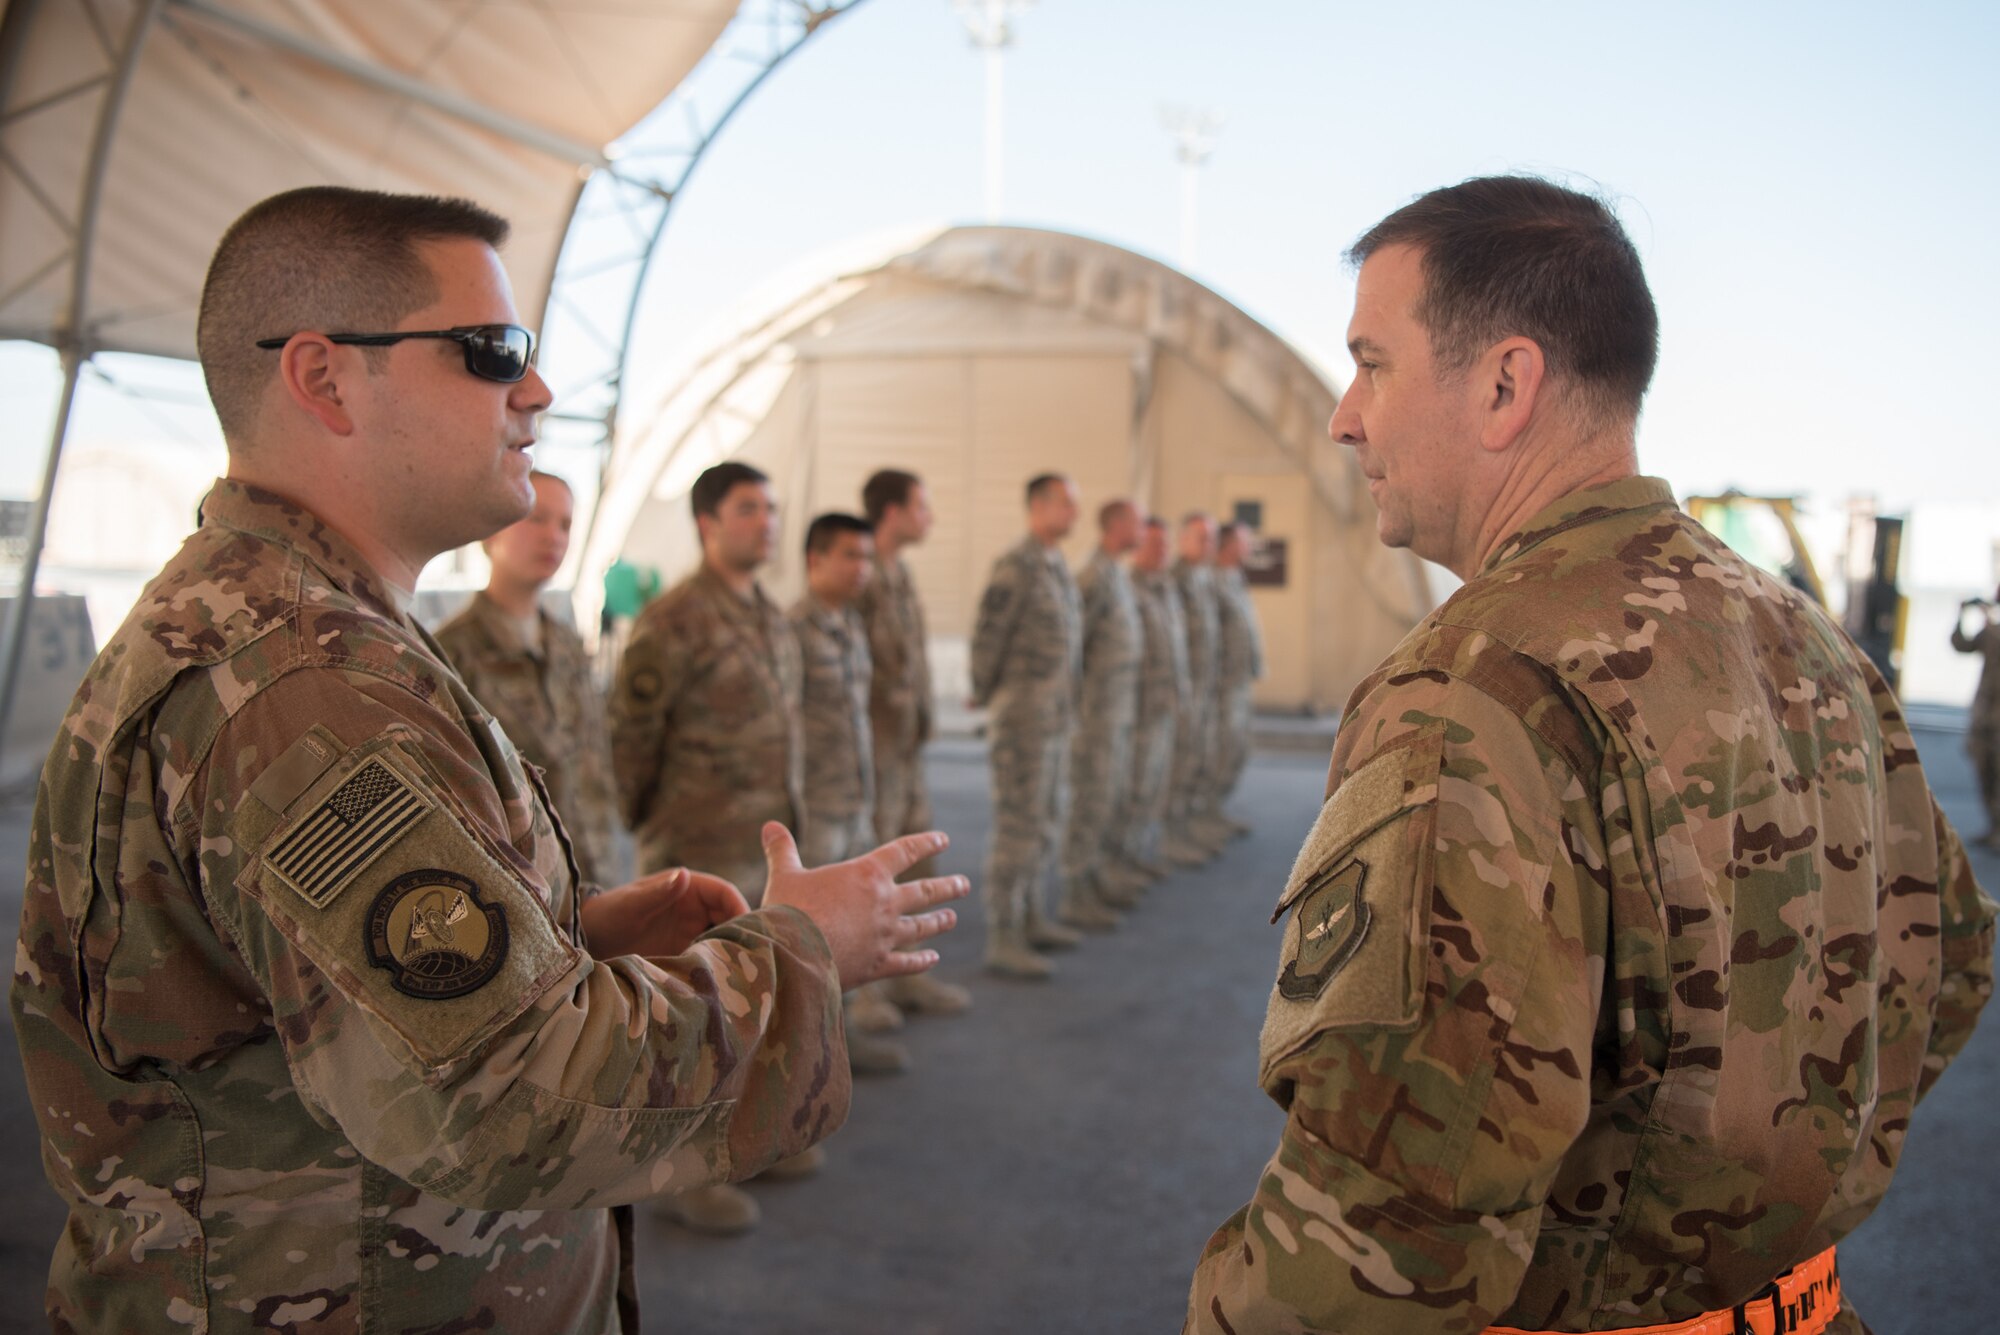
652,674
999,610
1966,928
433,1007
1430,1031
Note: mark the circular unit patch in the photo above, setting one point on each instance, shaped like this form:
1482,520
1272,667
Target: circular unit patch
430,930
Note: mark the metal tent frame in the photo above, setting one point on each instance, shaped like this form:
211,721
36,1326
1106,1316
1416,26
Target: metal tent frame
629,190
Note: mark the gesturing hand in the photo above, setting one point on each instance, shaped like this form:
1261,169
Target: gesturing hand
658,915
868,919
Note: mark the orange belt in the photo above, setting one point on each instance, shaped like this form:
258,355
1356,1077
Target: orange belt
1802,1301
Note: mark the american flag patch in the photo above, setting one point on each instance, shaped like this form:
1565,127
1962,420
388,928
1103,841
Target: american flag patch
346,832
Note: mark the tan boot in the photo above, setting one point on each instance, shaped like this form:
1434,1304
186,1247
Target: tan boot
1083,908
1046,935
869,1055
803,1164
925,995
869,1008
1010,957
719,1209
1184,852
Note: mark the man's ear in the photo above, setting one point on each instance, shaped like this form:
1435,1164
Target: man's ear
1510,380
313,370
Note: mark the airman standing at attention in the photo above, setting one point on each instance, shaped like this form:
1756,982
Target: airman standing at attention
530,671
1100,755
840,762
705,729
1163,690
1629,935
1025,647
900,699
1239,662
1982,732
321,1027
1190,840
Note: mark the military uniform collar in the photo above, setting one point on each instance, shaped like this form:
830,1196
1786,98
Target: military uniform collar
500,627
748,605
827,615
1582,507
285,523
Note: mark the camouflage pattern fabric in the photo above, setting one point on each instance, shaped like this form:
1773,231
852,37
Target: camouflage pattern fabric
1624,946
840,762
1163,691
1025,652
1194,733
302,996
1239,662
705,740
546,699
899,704
1982,733
1100,763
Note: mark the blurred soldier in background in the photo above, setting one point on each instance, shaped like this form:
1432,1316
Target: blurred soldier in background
1239,662
839,759
531,673
1982,733
1189,842
705,737
1100,767
1163,692
900,698
1025,647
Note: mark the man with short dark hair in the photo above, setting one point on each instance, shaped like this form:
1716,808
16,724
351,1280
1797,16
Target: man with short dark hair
1239,662
1100,755
1629,935
321,1027
1025,645
1191,840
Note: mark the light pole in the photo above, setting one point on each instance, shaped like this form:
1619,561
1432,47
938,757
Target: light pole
987,22
1194,132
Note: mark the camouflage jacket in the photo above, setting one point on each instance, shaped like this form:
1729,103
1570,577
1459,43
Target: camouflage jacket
1239,640
302,995
1623,948
899,696
1986,643
840,759
1027,640
705,728
1112,634
1197,588
545,698
1164,682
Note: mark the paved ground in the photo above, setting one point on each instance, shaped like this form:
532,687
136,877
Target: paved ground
1058,1156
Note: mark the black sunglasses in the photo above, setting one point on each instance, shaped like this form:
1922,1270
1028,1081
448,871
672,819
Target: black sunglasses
501,352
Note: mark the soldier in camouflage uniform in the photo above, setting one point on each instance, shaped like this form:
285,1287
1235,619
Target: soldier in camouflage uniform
898,506
323,1029
1193,841
1100,756
1239,662
1982,733
1025,647
530,671
1630,934
1163,688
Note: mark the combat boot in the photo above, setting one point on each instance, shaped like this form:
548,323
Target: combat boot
1089,915
720,1209
925,995
1185,852
1046,935
869,1055
870,1008
803,1164
1009,956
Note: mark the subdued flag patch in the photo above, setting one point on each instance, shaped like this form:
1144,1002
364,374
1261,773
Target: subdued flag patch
336,840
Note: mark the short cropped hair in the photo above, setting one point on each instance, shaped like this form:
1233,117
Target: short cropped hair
1508,255
1108,513
1195,517
825,531
884,488
1230,530
1154,521
324,258
715,483
1041,482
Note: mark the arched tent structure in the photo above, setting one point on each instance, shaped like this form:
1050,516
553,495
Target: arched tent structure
979,356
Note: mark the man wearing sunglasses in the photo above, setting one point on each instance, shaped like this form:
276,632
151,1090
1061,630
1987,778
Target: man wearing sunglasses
321,1025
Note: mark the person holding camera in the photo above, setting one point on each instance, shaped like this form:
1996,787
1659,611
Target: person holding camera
1982,733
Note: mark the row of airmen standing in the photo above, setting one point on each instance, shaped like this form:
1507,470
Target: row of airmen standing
726,713
1118,714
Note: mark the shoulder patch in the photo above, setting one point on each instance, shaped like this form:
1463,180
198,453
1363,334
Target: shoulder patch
435,936
1331,923
334,842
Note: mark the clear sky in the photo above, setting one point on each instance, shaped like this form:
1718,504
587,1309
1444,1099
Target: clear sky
1811,186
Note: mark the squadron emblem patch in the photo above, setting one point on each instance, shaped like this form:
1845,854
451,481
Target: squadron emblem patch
430,930
1331,922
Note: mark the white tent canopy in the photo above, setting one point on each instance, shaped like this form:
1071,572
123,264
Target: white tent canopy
977,357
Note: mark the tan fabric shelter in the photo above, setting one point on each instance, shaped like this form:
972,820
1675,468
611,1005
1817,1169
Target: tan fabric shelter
977,357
